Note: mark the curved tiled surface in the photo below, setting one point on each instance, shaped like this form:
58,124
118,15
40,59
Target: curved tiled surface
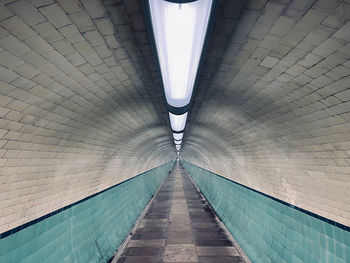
269,230
88,231
79,110
272,109
82,109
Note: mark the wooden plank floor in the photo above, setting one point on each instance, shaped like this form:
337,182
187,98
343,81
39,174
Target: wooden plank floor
179,227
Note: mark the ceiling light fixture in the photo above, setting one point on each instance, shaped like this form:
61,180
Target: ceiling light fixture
177,122
180,33
178,136
177,142
179,29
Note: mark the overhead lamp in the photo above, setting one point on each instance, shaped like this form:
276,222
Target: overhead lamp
177,122
179,29
178,147
178,136
177,142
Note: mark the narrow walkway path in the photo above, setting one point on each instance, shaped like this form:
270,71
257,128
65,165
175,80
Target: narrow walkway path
179,227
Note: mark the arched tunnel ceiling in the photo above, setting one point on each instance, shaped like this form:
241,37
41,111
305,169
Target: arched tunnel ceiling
272,108
82,107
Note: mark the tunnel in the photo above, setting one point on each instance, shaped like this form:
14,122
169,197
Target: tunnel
144,131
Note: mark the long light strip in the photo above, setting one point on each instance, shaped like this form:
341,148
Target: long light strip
178,136
179,32
178,122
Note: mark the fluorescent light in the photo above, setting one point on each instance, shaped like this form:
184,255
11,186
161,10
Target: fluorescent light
178,147
177,122
178,142
179,32
178,136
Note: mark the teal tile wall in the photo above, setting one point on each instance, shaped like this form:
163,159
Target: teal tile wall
87,231
269,230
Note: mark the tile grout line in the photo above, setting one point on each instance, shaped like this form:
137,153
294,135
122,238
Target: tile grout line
234,241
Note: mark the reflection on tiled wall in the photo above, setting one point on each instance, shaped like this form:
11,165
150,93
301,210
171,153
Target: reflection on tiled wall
87,231
270,230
